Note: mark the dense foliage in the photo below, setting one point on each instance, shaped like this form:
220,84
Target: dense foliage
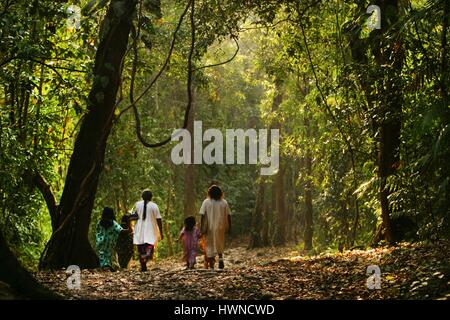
337,90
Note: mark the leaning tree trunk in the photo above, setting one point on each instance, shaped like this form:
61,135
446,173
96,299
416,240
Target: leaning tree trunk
69,242
20,280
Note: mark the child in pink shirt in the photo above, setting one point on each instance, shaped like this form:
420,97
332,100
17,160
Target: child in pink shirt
190,236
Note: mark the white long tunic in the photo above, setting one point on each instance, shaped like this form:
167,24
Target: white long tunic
146,231
217,212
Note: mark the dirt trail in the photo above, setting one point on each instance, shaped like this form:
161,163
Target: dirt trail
408,272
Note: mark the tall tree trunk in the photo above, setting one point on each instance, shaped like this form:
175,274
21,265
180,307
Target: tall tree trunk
390,104
265,238
444,59
69,242
291,205
167,219
355,222
280,236
309,227
189,170
280,197
386,95
256,240
272,219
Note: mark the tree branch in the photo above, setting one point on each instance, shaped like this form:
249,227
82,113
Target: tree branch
189,86
166,62
223,62
49,198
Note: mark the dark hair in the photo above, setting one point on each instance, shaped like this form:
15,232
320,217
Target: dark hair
189,223
108,217
147,196
125,222
214,192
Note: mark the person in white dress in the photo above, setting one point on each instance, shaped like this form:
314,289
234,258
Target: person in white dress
215,222
148,228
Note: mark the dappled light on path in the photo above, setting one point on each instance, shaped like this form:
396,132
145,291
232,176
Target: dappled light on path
408,271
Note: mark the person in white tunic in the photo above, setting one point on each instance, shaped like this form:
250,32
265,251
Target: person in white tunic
215,222
148,228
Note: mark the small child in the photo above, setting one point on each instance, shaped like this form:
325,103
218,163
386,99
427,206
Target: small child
125,247
189,235
106,233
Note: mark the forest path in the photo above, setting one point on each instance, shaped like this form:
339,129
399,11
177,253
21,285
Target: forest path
408,271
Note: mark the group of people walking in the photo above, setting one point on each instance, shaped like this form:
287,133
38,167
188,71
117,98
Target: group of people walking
214,223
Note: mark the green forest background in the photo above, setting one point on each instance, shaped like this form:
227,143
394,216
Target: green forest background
341,94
